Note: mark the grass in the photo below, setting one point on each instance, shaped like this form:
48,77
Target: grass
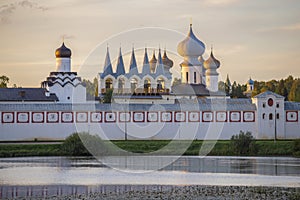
221,148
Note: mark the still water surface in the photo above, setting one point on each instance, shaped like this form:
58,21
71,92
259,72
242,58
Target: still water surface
187,170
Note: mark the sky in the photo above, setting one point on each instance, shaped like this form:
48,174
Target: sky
257,39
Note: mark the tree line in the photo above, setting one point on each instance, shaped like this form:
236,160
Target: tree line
288,87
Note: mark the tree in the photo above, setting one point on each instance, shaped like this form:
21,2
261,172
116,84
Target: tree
294,94
228,86
243,144
108,96
4,80
221,86
91,87
176,81
73,146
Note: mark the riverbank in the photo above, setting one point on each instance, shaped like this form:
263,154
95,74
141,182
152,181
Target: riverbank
221,148
179,192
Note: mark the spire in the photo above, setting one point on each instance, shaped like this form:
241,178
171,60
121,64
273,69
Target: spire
146,66
120,65
228,81
107,65
133,67
160,65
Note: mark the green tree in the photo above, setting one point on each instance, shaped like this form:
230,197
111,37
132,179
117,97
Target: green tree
243,144
108,96
91,87
294,94
73,146
4,80
176,81
221,86
281,89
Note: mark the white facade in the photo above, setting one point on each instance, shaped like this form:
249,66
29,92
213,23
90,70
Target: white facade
144,105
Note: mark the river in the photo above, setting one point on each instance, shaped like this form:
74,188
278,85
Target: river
61,175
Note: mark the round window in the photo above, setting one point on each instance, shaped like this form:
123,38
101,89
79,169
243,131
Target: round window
270,102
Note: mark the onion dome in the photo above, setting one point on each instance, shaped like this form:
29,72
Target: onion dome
211,62
153,62
191,45
201,60
166,61
63,52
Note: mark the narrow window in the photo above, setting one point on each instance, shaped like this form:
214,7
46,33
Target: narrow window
264,105
263,115
277,105
195,77
277,116
187,77
270,116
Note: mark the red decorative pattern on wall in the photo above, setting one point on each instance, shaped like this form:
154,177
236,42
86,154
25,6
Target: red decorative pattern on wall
33,117
110,117
291,116
8,117
52,117
245,113
164,114
139,113
192,118
207,116
176,115
82,117
150,116
22,114
219,114
96,117
126,117
235,120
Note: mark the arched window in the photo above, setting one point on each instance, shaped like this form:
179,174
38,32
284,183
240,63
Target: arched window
121,84
147,85
160,85
108,83
277,116
270,116
263,115
133,85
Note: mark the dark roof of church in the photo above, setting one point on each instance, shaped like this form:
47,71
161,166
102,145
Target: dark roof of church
26,94
194,89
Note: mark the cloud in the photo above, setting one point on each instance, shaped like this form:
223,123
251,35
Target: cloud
290,27
7,10
219,2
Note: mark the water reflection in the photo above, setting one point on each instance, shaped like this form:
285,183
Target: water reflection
188,170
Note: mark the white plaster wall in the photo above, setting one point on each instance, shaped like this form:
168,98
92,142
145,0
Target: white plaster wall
63,64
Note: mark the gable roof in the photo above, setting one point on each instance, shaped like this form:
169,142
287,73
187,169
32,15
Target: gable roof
267,93
26,94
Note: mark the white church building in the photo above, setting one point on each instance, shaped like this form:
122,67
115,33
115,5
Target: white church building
145,105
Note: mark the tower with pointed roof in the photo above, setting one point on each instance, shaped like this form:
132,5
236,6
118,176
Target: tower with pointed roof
212,76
